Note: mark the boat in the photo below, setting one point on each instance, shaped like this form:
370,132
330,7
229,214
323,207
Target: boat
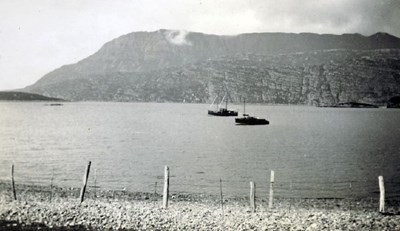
250,120
53,104
220,111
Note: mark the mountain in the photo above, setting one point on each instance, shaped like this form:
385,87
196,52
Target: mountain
22,96
179,66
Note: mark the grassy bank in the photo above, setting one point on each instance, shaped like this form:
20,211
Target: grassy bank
39,208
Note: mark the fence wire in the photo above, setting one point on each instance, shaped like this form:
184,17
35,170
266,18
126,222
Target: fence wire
99,182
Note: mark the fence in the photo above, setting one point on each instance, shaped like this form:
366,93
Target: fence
267,189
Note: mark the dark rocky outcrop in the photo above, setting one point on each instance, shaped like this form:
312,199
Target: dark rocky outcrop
353,105
23,96
394,102
173,66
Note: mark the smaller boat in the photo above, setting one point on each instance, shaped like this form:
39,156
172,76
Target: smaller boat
222,111
53,104
250,120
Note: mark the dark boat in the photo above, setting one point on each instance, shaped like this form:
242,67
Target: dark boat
250,120
222,111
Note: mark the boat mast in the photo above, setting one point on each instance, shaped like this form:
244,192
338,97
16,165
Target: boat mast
213,101
226,103
221,101
244,106
226,92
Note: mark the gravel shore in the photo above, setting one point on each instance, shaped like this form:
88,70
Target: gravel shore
38,208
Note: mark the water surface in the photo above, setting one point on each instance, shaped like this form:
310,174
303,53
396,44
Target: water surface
315,152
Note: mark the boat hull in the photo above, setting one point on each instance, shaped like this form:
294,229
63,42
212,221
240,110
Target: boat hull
223,113
251,121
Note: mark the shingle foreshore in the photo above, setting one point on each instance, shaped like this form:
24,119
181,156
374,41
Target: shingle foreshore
140,211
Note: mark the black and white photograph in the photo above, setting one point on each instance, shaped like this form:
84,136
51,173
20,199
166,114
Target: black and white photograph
200,115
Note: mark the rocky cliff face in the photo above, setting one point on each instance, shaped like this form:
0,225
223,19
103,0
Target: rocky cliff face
177,66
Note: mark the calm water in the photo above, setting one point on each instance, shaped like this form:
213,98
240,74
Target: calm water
315,152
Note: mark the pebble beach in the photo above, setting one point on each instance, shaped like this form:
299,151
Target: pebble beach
56,208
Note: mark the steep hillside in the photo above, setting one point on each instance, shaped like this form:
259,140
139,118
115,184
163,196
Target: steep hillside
266,67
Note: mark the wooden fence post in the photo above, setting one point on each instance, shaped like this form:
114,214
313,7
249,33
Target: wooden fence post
166,187
85,179
350,189
155,194
13,183
291,195
51,185
271,189
382,195
253,196
222,199
95,183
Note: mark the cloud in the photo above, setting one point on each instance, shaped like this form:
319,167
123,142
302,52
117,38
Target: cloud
328,16
317,16
177,37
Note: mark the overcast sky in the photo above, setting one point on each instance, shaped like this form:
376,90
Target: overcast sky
38,36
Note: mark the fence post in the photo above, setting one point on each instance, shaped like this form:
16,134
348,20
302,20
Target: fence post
382,195
291,195
51,185
222,199
85,179
166,187
13,183
252,196
95,183
350,189
271,189
155,194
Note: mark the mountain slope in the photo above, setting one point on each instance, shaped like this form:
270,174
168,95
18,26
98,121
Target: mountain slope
264,67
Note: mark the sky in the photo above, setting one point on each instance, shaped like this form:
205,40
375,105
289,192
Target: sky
38,36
